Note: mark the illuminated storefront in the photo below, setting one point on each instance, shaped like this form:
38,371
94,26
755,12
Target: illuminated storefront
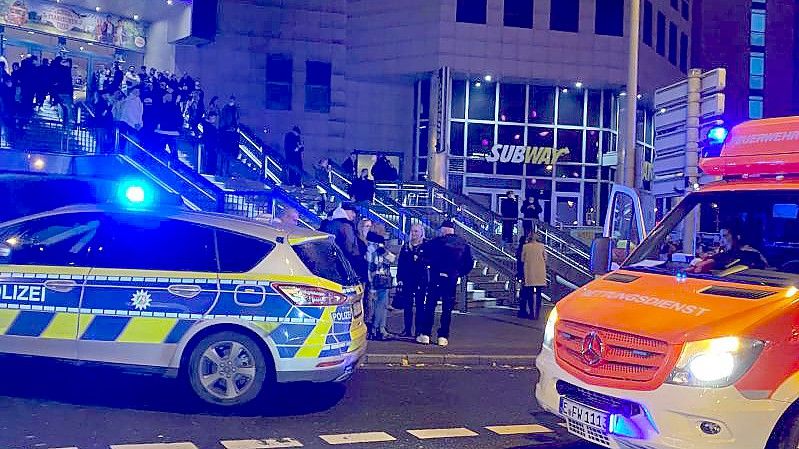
555,143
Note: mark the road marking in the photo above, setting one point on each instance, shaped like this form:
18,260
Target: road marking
351,438
455,432
519,429
269,443
184,445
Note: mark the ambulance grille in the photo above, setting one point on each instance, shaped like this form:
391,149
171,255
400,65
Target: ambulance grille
622,278
736,292
623,356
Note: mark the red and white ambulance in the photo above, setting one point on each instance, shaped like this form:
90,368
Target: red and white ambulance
691,345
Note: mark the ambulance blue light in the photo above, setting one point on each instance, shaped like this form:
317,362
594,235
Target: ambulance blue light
717,134
135,194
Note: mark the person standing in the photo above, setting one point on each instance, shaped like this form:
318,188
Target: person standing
293,146
509,209
412,280
210,143
449,258
350,166
379,260
362,190
228,135
531,212
131,110
170,121
342,227
534,260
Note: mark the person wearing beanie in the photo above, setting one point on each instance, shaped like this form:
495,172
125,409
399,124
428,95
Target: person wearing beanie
449,258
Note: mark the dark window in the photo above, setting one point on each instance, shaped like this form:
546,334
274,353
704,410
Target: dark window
324,259
458,99
61,240
482,101
686,7
570,107
542,105
148,243
317,86
511,103
457,133
239,253
673,43
510,135
609,17
572,139
565,15
594,107
675,4
471,11
684,52
648,23
519,13
278,82
661,43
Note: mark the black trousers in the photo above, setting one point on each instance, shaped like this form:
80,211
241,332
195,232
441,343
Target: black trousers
441,288
508,225
414,297
294,173
530,302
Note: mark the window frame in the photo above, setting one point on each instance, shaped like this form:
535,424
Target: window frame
279,83
660,44
467,12
558,13
607,24
311,88
518,20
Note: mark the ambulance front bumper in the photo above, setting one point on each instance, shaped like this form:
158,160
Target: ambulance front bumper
670,417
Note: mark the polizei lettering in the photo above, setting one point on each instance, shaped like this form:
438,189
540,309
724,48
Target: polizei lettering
529,155
29,293
651,301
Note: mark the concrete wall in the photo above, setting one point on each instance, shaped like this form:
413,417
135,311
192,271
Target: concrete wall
159,52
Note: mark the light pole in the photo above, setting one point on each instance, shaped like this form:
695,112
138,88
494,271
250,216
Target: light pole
628,156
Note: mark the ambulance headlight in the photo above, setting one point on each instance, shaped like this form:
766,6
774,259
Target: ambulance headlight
715,363
549,329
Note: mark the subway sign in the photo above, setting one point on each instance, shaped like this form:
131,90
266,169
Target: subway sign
529,155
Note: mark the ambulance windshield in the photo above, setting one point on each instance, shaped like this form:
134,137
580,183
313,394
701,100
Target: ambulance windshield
742,236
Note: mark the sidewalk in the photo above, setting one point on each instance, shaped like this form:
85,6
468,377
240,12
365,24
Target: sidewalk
483,337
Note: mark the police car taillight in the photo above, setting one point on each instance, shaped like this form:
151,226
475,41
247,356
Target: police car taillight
304,295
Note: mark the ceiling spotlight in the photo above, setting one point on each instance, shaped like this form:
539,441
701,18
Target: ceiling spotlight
663,110
477,84
578,85
170,2
488,78
564,91
623,94
97,8
135,17
639,96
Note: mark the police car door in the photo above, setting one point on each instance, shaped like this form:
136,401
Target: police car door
43,265
153,278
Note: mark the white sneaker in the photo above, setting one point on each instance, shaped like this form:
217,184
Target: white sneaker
423,339
443,342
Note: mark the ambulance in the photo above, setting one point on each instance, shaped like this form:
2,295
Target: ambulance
690,344
229,305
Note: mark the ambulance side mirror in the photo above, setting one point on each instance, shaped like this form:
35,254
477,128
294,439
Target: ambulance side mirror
600,256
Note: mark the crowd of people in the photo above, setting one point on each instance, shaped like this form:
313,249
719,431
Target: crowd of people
428,272
510,210
156,107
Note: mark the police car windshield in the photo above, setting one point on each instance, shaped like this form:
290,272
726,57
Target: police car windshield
748,237
326,260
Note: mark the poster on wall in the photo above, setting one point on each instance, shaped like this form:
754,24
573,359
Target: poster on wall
73,22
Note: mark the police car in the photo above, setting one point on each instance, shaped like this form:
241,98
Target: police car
230,305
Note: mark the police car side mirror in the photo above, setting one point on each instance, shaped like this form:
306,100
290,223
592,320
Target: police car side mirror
600,256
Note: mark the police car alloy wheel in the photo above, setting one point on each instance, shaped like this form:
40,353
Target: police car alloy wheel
227,368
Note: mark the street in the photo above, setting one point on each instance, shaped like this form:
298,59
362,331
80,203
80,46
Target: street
53,405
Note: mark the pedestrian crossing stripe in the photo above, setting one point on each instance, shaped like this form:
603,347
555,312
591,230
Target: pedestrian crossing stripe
519,429
270,443
353,438
455,432
185,445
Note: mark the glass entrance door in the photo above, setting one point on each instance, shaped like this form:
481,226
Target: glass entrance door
567,209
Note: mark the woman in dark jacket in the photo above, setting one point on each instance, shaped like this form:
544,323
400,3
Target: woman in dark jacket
412,279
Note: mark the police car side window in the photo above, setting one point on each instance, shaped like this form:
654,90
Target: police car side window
59,240
146,243
239,253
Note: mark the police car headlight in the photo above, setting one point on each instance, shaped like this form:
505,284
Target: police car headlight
549,329
305,295
715,363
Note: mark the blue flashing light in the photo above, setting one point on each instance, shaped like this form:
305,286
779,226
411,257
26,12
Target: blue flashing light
622,426
717,134
135,194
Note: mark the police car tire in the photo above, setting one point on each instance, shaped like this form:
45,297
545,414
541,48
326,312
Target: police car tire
260,362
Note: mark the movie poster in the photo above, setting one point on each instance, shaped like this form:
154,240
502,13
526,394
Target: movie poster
74,22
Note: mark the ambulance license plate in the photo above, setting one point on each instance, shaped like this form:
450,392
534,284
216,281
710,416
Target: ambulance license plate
589,416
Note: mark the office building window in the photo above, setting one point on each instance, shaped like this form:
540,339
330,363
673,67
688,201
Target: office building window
565,15
755,106
609,17
758,3
683,53
757,70
519,13
278,82
471,11
317,86
758,30
661,43
672,43
647,26
686,10
675,4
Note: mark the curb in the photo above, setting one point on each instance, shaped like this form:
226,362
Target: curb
449,359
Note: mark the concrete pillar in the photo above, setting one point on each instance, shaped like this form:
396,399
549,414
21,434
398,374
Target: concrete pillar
692,154
438,135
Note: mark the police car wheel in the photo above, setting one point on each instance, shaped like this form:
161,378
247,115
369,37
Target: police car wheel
227,369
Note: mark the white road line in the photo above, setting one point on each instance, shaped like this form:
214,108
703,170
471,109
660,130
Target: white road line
269,443
455,432
519,429
351,438
184,445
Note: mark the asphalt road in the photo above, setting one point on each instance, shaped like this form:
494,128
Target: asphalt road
53,405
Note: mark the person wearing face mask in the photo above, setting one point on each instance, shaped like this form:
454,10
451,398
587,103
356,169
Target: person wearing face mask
412,280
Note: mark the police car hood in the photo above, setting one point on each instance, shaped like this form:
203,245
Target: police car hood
672,310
